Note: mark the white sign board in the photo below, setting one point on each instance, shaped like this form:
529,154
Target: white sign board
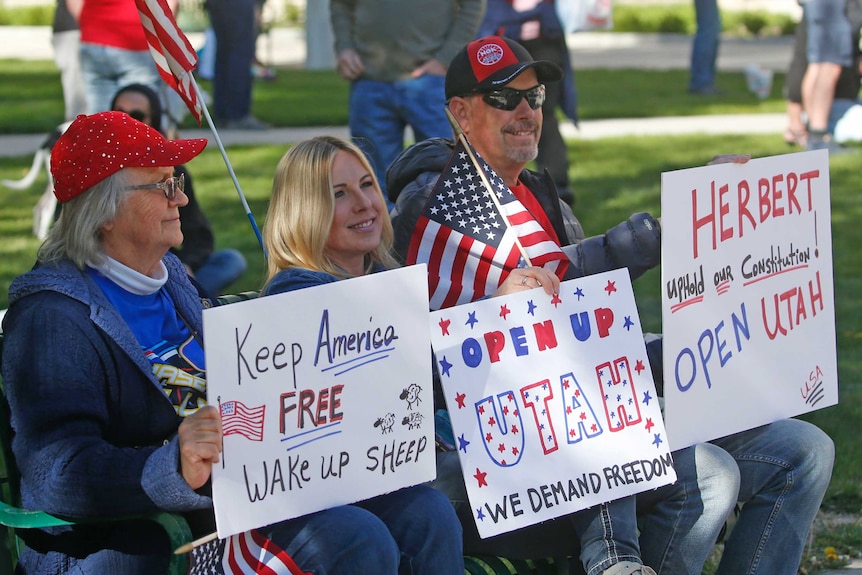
325,395
748,308
552,401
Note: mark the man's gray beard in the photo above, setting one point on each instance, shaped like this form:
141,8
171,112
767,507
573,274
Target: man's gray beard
523,155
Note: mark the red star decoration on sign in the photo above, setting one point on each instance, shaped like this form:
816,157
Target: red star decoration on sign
556,300
504,311
480,477
444,326
459,399
649,423
611,287
639,366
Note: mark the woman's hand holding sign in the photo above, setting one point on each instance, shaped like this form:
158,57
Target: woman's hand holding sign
200,438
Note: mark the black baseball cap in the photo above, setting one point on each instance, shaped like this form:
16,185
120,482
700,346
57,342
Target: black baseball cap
492,62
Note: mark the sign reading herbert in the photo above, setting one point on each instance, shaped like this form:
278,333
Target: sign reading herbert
748,306
325,396
552,401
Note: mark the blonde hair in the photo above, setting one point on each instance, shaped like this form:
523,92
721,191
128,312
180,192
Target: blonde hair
302,208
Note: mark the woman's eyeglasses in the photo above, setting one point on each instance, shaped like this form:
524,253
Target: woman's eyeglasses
170,186
509,98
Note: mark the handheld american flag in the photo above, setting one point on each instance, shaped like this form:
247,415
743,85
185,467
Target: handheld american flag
471,241
174,56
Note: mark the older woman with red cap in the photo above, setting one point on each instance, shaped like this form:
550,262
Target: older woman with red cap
104,372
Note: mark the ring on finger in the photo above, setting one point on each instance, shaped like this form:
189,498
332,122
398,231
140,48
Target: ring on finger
524,280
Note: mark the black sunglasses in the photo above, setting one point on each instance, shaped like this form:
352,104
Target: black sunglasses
509,98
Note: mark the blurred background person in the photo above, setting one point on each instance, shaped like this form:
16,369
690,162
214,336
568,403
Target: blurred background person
829,48
213,270
66,40
114,51
395,55
233,22
536,26
704,47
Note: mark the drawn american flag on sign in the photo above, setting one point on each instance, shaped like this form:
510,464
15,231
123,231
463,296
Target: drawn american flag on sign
236,418
463,237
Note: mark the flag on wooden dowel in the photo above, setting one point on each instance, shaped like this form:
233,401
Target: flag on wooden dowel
471,236
173,53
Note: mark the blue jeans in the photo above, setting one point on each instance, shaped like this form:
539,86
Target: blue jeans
704,48
679,523
233,24
410,531
105,69
380,111
785,468
221,269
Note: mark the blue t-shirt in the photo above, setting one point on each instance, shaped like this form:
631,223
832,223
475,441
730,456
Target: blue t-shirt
176,356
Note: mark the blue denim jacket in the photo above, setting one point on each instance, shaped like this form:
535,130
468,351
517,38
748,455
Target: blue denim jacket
95,436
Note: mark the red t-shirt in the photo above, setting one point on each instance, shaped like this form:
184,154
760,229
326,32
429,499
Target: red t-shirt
529,201
113,23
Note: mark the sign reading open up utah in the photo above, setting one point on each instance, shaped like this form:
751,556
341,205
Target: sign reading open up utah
552,401
325,396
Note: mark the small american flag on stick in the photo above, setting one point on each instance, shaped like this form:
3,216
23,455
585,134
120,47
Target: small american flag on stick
471,240
173,53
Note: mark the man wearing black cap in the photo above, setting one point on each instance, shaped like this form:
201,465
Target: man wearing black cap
495,91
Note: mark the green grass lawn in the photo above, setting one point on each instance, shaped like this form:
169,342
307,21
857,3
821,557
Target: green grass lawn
32,98
612,178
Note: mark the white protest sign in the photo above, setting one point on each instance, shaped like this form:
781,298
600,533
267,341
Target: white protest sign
748,309
552,401
325,394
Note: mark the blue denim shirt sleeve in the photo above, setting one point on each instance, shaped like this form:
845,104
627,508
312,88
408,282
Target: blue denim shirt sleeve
164,483
293,279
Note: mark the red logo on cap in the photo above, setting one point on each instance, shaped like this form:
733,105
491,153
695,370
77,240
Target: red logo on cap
489,54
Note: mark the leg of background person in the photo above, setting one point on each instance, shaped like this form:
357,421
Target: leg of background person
136,68
679,523
608,534
425,528
829,47
221,269
376,125
818,90
66,48
796,132
233,23
97,74
704,48
423,103
345,540
553,153
785,468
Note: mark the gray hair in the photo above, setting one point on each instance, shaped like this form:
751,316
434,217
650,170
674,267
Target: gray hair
77,234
